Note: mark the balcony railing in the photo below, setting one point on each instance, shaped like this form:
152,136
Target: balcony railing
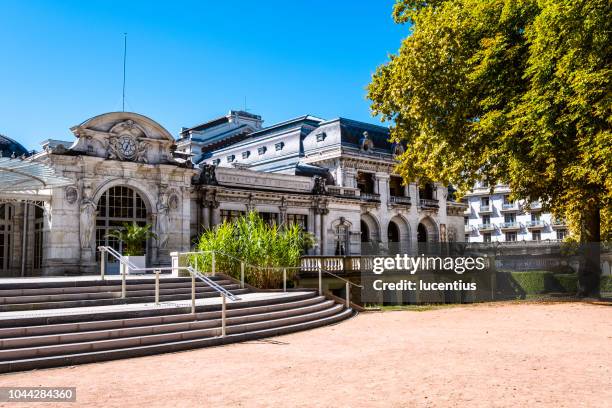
343,191
428,203
486,227
370,197
399,200
535,224
509,207
558,223
510,225
485,209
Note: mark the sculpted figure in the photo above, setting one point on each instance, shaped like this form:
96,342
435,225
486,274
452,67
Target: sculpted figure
88,221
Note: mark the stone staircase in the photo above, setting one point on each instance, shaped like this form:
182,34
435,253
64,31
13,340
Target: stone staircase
49,324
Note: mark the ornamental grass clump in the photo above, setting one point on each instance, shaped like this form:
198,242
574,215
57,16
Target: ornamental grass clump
264,248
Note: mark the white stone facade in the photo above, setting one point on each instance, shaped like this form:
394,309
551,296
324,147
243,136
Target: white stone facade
333,177
493,217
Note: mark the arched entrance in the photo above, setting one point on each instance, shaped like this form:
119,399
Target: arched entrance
6,220
365,232
118,205
370,234
393,237
421,233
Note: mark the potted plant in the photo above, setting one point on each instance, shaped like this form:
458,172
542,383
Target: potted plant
134,238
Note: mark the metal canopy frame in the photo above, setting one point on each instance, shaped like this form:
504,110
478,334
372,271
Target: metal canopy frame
24,177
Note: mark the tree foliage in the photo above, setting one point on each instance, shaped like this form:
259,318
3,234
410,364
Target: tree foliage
511,91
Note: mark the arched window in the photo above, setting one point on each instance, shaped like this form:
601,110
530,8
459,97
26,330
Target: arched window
117,206
342,238
6,216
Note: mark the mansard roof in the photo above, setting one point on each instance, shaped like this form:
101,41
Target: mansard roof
10,147
352,133
217,121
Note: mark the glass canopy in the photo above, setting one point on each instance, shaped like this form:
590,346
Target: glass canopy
21,176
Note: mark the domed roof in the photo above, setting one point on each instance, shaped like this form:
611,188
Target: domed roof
8,147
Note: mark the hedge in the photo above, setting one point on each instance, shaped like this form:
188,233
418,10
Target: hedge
537,282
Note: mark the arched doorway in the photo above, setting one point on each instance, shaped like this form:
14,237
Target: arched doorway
421,233
118,205
370,234
365,232
6,221
393,237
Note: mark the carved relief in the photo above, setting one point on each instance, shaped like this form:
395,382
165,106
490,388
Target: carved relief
71,193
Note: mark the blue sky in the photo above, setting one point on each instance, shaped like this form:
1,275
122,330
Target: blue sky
187,61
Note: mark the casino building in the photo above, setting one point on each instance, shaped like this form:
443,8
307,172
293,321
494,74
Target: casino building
334,177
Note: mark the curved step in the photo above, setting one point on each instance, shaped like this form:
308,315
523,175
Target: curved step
96,356
166,327
116,299
152,339
93,325
112,292
82,315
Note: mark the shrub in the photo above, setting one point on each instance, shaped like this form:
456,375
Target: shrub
263,247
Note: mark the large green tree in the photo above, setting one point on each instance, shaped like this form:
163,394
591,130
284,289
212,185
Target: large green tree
512,91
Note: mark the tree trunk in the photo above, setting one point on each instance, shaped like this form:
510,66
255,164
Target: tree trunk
589,272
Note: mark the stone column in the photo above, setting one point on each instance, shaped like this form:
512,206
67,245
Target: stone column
323,237
317,232
383,186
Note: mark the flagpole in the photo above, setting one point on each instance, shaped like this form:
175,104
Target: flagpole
124,58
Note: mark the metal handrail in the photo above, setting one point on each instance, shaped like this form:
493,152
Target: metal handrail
283,268
214,285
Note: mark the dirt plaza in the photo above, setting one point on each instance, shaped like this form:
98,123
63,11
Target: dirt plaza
505,354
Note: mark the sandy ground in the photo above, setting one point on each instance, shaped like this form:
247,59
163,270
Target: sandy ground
511,355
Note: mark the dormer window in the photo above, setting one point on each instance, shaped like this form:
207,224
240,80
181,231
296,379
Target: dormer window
245,155
279,146
216,162
230,158
261,150
321,136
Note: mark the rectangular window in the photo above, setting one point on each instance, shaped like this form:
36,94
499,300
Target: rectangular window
486,237
269,218
484,201
561,234
396,189
510,218
510,236
536,236
299,219
467,237
230,215
261,150
486,219
466,221
245,155
365,182
535,217
507,200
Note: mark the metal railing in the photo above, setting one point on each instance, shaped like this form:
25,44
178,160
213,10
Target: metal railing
428,203
127,266
370,197
284,269
399,200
